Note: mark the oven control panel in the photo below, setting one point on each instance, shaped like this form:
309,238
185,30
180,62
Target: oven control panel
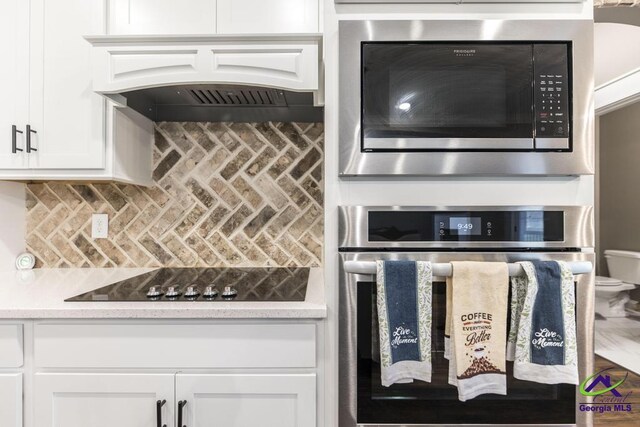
551,95
468,226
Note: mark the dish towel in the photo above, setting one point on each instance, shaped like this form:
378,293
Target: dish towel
518,295
546,348
404,318
447,322
479,328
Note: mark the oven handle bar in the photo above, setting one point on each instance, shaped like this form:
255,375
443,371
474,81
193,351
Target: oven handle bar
444,269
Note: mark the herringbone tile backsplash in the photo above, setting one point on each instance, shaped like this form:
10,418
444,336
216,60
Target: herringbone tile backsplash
225,194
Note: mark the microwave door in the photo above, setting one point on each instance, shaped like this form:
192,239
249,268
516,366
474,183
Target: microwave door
430,96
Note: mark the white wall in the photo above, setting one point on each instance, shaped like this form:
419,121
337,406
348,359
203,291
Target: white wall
616,51
426,191
12,223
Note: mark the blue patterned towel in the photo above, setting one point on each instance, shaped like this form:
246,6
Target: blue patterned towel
404,318
546,350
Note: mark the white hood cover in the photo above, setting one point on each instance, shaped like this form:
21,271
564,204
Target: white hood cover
128,63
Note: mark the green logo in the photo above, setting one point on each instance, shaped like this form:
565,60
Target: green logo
587,386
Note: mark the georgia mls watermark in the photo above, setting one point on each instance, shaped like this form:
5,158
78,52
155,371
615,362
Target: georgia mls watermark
607,397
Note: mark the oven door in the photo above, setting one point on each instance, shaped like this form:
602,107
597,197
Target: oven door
447,96
365,402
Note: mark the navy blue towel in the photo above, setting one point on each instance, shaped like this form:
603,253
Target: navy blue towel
404,320
402,309
546,349
547,320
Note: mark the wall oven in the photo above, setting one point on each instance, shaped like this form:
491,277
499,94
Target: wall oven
506,234
466,97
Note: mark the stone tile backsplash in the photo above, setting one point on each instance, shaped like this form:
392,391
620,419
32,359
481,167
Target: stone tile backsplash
225,194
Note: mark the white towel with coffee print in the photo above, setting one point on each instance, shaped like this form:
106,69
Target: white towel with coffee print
404,302
518,295
546,348
479,328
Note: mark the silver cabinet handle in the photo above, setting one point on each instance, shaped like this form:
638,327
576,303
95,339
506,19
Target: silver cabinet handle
14,139
29,132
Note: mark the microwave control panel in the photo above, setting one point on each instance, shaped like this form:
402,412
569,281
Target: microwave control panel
551,94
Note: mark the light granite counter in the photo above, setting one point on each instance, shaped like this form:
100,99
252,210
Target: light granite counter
40,294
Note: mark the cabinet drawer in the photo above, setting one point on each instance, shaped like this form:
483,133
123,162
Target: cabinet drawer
11,351
140,345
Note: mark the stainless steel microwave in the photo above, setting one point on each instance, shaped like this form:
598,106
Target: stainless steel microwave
489,97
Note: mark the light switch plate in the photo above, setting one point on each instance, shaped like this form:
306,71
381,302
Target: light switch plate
99,226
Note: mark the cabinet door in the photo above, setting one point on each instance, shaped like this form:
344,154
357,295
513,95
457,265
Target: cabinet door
14,80
267,16
103,400
64,111
162,17
238,400
11,400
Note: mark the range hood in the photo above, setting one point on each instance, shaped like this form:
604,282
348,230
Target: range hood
244,78
223,103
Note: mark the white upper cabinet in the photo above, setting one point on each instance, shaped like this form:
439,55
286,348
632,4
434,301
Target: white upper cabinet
162,17
268,16
170,17
65,113
53,125
14,83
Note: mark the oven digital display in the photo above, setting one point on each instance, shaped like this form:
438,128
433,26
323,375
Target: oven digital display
467,226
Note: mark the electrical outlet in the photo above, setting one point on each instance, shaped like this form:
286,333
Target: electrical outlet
99,226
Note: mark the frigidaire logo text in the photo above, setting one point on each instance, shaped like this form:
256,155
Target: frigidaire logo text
464,52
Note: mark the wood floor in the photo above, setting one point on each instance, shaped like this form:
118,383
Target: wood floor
621,419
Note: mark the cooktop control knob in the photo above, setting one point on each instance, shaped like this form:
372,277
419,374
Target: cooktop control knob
191,292
172,292
154,292
210,292
229,292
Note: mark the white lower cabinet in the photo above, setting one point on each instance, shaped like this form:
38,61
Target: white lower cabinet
11,400
211,374
247,400
103,400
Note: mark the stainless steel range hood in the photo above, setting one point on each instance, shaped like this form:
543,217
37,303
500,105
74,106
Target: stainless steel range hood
212,78
223,103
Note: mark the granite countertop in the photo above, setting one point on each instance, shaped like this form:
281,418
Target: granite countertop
40,294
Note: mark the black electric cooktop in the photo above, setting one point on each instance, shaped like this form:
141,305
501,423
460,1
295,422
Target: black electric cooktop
207,285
